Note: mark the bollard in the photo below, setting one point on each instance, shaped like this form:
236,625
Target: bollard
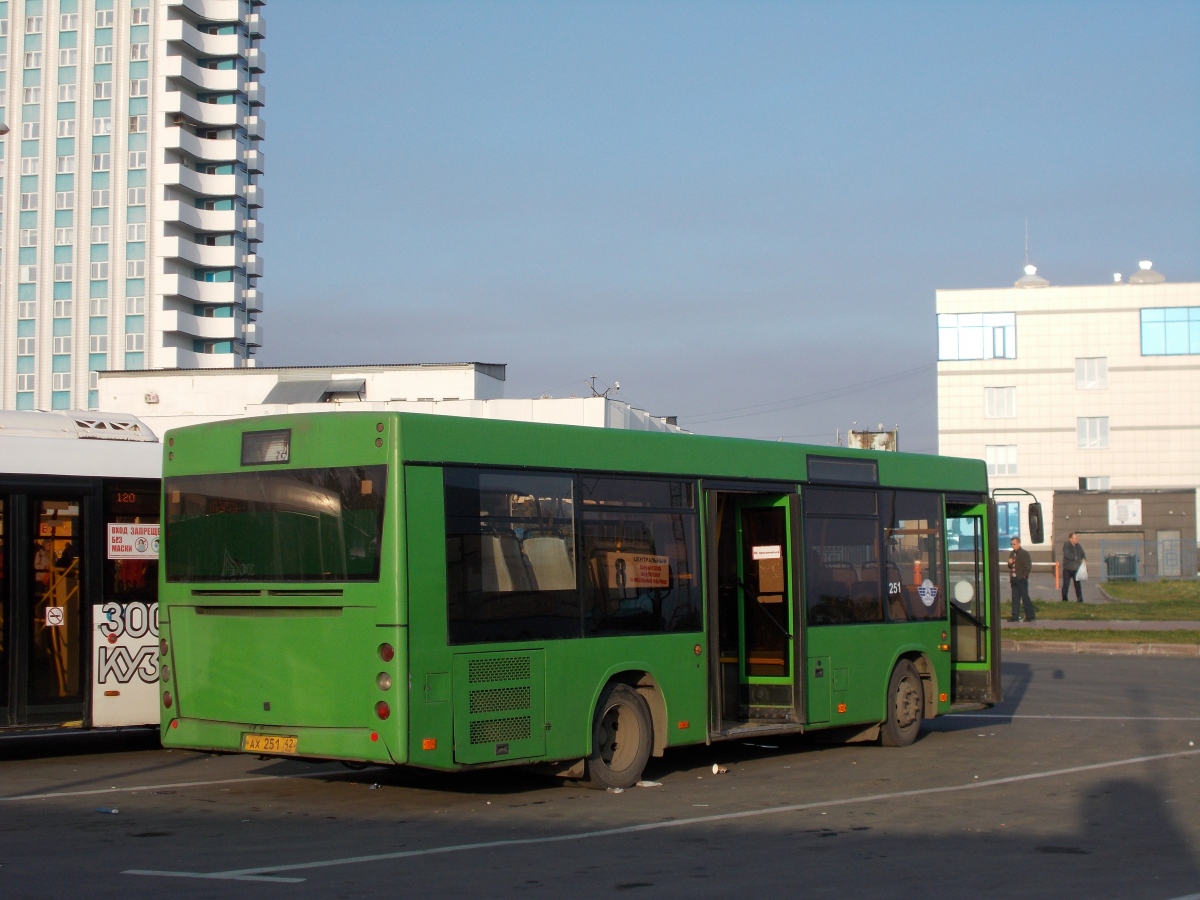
1057,576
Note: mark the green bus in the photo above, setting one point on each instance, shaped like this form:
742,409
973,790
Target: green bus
453,593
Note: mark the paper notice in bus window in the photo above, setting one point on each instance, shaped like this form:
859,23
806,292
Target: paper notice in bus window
130,541
638,570
767,551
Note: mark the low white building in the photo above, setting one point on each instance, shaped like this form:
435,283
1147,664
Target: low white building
1072,388
173,398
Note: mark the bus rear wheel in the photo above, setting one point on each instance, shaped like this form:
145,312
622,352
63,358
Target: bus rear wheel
622,735
905,706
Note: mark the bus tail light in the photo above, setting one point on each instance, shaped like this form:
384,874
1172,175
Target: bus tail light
387,652
174,723
382,709
167,700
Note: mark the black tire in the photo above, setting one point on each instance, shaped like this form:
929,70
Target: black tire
905,706
622,735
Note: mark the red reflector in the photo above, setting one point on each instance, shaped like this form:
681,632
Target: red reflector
387,652
174,723
683,725
167,699
841,707
382,709
429,744
942,698
374,736
112,693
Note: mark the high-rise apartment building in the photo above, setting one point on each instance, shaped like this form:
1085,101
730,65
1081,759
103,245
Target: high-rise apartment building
128,191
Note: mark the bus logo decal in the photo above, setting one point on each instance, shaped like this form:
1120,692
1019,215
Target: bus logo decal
928,592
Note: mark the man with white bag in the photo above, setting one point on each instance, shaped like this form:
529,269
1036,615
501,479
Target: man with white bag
1074,566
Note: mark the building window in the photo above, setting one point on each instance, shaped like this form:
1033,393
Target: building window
139,87
68,56
102,125
93,381
137,196
99,271
29,237
1174,331
62,346
138,51
135,268
102,90
64,235
1008,522
100,198
33,60
1094,483
101,162
26,309
29,165
31,131
137,124
29,202
67,92
62,381
62,309
33,95
100,234
104,55
135,231
99,307
68,22
33,24
135,306
135,343
64,200
66,165
1000,402
137,159
97,343
977,336
26,346
1001,459
64,272
1092,433
104,18
66,128
27,274
25,382
1091,374
141,15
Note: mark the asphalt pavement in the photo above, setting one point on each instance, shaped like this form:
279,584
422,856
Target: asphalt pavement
1084,782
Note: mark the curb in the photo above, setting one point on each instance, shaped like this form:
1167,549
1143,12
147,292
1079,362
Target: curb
1102,648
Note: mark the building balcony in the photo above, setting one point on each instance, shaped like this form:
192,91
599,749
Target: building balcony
200,42
256,24
223,293
181,67
199,219
253,265
253,298
255,127
227,115
256,93
256,57
198,182
213,10
198,254
254,160
254,229
254,195
253,334
202,328
201,148
179,358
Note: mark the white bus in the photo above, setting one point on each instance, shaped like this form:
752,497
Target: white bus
79,505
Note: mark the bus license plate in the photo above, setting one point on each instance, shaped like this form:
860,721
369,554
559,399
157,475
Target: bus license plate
269,743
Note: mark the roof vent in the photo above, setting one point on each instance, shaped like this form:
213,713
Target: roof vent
1146,274
1031,279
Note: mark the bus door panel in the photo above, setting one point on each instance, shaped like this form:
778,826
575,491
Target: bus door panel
974,603
500,706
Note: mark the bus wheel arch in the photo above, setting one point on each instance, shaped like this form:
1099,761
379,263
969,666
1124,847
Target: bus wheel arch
622,735
929,681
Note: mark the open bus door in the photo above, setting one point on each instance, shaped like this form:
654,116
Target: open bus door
974,603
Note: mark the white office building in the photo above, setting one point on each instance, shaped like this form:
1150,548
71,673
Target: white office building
1073,388
129,191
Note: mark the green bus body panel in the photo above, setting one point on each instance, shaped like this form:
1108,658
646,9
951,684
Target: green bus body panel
319,672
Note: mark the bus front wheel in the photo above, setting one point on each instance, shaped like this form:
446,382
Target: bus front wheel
622,735
905,706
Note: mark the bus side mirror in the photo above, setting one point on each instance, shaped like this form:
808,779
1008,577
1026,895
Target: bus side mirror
1037,532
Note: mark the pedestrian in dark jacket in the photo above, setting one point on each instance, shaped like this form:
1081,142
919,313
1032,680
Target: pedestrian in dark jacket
1073,557
1020,564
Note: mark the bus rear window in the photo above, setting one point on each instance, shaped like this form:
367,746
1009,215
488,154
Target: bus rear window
297,525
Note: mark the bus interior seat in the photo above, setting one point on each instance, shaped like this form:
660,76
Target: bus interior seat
503,564
549,563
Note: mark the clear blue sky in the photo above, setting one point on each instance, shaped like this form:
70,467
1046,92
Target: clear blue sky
740,211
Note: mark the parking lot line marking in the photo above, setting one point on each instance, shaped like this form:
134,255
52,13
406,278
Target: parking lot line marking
270,871
158,787
1075,718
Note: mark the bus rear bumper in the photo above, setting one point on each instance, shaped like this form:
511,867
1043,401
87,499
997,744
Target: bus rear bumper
351,744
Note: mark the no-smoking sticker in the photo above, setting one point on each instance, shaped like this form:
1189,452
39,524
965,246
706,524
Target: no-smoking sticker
54,616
